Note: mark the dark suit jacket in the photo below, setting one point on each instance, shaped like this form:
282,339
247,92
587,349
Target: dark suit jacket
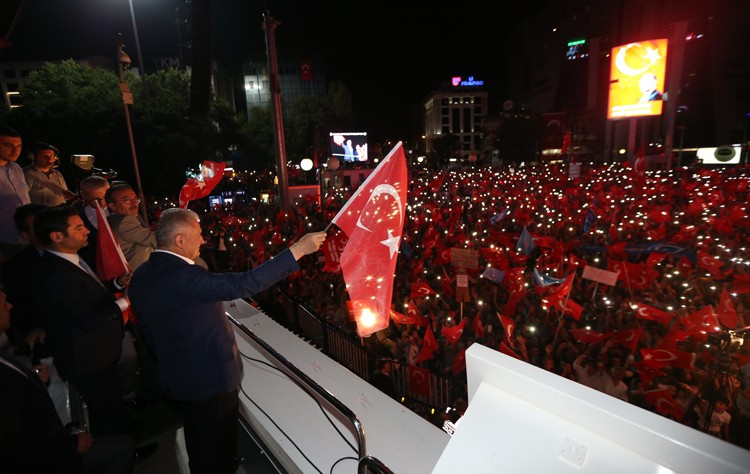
19,277
32,437
83,323
181,315
89,252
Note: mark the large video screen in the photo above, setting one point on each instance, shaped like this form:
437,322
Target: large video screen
351,146
636,80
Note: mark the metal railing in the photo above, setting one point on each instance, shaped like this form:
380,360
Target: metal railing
350,353
365,460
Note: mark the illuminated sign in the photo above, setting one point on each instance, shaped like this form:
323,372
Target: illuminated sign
723,155
636,81
458,81
577,49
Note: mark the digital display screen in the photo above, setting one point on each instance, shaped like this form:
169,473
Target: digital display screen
636,81
349,146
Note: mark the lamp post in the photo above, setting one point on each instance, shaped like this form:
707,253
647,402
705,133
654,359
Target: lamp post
123,61
141,67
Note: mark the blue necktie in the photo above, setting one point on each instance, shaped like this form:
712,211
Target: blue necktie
85,266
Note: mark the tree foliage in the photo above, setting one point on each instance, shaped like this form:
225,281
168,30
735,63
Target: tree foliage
78,108
72,105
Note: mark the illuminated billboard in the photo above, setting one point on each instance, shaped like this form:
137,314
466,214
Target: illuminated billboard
636,80
349,146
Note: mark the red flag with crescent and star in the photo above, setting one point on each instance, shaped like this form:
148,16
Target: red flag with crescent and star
419,381
420,289
110,261
429,346
726,312
453,334
628,337
664,404
658,358
196,188
373,220
645,311
305,71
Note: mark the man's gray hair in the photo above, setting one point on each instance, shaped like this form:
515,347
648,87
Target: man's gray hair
172,222
93,182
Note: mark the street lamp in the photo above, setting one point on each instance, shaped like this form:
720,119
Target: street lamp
123,61
141,67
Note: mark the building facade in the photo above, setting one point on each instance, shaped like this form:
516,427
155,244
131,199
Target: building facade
459,110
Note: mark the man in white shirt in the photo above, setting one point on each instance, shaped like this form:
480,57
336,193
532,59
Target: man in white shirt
46,184
14,192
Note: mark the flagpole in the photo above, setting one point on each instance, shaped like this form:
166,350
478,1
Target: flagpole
565,306
627,279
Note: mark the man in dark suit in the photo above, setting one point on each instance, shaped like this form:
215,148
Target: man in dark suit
92,191
180,312
18,276
32,437
83,321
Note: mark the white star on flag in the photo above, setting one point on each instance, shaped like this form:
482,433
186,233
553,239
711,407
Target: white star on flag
391,242
375,210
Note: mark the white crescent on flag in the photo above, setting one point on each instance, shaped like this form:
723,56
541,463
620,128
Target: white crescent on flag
418,377
668,405
708,261
381,189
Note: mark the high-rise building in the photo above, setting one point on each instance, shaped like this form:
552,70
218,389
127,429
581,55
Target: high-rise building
458,109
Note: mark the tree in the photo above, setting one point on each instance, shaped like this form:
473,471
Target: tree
61,101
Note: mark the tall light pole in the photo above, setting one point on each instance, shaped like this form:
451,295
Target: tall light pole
269,25
123,61
141,69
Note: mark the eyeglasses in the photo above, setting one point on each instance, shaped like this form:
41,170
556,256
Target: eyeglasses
129,199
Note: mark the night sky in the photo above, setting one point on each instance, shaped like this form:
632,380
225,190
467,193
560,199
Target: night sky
390,54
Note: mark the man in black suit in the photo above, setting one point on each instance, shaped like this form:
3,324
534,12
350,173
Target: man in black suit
18,275
32,437
83,321
180,312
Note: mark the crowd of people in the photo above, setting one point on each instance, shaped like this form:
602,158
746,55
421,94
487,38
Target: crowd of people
666,335
634,284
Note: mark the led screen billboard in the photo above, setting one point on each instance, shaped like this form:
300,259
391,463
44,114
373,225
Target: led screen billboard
349,146
636,80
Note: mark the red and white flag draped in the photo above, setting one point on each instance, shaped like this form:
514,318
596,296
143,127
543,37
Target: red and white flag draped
373,219
110,261
196,188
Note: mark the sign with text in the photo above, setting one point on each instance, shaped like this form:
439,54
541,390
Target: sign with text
602,276
465,258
